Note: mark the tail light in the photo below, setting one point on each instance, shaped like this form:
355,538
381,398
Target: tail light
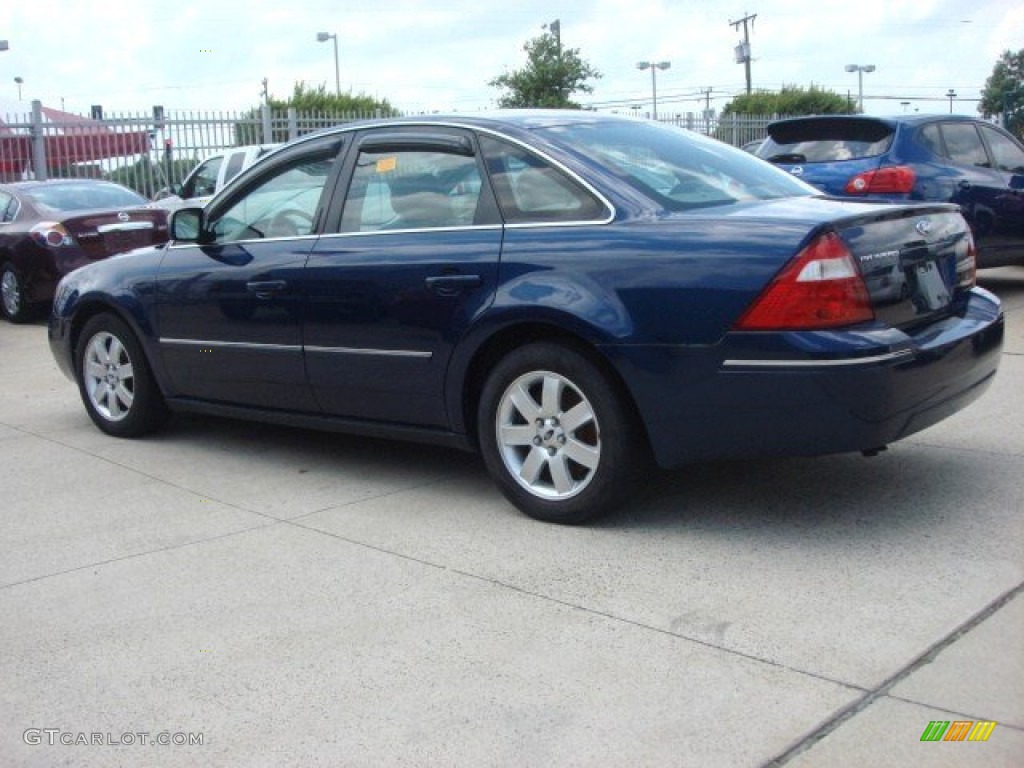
897,179
967,265
820,288
51,234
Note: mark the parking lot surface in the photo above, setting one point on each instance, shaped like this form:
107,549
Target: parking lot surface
260,596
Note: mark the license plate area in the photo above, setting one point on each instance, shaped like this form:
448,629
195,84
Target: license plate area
930,291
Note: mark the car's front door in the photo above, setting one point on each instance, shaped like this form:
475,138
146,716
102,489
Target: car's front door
230,306
415,261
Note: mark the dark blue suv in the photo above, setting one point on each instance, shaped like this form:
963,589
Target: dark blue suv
932,158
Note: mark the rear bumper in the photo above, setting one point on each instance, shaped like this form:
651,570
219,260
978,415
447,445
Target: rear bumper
806,394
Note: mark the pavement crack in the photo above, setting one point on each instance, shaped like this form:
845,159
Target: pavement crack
882,690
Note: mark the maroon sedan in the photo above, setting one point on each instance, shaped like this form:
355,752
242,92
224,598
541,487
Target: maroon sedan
49,228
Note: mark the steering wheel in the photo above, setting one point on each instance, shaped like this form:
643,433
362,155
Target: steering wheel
290,223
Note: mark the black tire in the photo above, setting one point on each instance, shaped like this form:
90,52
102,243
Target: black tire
13,303
552,460
114,379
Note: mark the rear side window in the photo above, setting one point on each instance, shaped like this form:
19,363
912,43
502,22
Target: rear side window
826,141
532,191
1006,154
411,189
963,144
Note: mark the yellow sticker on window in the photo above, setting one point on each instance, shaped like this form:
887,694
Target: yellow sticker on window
386,164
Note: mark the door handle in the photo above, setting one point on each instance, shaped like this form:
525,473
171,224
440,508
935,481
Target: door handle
964,184
264,289
449,285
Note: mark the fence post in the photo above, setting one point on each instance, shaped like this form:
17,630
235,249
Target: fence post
268,129
293,123
38,141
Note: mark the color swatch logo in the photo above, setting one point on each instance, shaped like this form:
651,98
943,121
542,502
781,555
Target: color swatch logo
958,730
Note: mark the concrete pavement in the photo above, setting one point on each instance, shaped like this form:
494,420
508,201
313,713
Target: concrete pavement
295,598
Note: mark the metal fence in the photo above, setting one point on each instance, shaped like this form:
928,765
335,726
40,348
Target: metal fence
149,152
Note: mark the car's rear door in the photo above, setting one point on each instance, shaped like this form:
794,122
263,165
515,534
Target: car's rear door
414,262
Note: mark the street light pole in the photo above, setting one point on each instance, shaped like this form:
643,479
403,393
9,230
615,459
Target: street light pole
951,94
654,66
323,37
860,70
19,81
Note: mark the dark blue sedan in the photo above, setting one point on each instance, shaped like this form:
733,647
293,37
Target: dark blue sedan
930,158
577,296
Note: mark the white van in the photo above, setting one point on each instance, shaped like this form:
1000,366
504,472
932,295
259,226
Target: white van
210,176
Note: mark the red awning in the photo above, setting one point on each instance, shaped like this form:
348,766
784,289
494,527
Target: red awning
67,138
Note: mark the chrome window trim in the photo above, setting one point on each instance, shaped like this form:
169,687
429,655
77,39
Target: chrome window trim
503,136
176,244
845,362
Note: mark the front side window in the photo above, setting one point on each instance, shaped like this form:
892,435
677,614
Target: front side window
8,207
963,144
282,204
1008,156
204,181
411,189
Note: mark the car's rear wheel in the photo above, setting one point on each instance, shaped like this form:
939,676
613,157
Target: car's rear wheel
13,303
557,435
117,387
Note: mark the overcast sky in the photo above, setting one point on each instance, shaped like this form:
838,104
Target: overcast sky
439,56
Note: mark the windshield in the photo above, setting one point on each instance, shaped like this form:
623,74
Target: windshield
83,197
679,169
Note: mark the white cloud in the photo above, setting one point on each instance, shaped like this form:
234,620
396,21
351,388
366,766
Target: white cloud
428,56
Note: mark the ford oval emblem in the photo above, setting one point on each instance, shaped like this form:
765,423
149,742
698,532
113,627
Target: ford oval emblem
122,216
923,227
797,170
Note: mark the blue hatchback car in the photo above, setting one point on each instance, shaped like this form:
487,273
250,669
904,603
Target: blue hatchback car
931,158
577,296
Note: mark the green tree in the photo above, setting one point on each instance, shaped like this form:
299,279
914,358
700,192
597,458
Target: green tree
1004,91
305,100
551,76
147,177
791,100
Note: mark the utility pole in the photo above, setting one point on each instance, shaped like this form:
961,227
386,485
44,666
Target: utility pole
707,99
743,49
265,93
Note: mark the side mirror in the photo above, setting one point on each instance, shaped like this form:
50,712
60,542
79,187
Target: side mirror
187,225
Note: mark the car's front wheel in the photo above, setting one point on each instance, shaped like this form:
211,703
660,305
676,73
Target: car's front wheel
114,379
557,435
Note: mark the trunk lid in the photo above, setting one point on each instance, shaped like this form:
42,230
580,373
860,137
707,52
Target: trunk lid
103,233
916,261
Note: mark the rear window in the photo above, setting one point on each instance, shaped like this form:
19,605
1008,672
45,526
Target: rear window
81,197
678,169
825,141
